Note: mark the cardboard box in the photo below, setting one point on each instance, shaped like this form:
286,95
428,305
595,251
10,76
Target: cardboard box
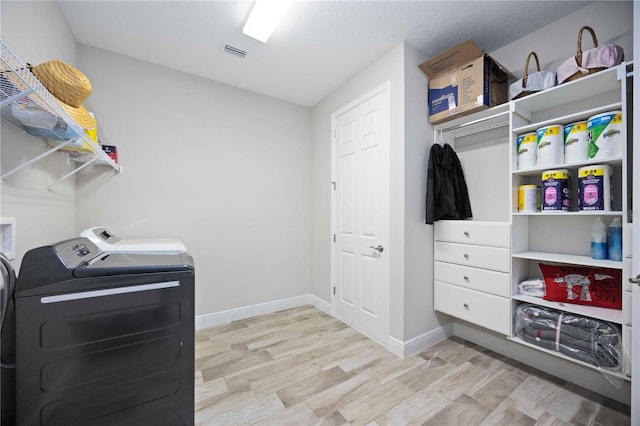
464,80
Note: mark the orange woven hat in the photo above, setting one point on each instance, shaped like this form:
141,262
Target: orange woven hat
69,86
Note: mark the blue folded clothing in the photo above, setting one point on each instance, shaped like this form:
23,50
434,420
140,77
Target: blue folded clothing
60,132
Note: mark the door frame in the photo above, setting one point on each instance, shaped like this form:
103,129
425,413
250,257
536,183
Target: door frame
382,88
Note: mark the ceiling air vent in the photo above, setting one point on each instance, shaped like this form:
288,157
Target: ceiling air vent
235,51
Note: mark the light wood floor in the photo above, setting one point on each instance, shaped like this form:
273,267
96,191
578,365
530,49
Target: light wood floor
302,367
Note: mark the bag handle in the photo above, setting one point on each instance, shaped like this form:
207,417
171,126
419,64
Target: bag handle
526,68
593,37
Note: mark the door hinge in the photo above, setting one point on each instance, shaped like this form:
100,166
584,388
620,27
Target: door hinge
334,238
334,133
334,290
334,184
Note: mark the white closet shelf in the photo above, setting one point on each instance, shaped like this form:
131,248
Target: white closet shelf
38,105
563,213
605,314
568,259
604,371
567,119
592,85
538,170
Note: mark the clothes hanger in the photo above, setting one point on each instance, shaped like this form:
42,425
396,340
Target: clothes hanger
440,139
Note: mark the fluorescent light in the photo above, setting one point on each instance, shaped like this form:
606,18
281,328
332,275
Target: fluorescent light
264,17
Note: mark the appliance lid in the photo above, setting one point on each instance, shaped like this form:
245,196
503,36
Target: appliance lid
134,263
107,241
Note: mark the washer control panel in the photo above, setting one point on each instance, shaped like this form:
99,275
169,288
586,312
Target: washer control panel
77,251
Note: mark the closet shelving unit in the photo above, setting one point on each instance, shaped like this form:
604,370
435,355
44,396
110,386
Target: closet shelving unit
19,85
561,238
564,237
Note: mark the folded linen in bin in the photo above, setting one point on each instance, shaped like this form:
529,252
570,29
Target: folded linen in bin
593,341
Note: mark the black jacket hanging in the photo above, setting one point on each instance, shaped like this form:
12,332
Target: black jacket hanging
447,194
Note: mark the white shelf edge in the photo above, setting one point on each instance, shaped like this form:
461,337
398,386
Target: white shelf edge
568,259
604,371
537,170
605,314
572,213
600,82
567,119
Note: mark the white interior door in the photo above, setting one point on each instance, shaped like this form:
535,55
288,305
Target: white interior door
361,213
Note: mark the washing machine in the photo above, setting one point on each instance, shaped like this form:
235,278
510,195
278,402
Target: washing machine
107,241
104,338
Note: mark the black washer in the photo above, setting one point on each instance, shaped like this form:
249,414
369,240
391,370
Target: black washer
104,338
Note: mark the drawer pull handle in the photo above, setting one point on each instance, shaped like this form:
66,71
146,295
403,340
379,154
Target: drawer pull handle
466,233
466,305
466,255
466,278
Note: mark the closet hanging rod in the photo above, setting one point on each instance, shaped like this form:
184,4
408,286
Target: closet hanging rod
473,122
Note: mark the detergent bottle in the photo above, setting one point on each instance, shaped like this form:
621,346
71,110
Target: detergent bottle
599,240
615,239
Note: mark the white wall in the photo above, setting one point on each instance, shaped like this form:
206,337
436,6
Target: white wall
419,316
224,170
36,32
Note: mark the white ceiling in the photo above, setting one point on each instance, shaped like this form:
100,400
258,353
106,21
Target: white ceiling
317,46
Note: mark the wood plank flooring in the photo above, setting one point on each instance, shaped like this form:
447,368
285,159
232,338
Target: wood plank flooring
302,367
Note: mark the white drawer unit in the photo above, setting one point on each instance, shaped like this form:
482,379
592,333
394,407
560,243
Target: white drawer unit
485,310
493,234
472,261
493,282
497,259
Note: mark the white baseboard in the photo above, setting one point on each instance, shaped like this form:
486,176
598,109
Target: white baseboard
395,346
224,317
416,344
321,304
614,388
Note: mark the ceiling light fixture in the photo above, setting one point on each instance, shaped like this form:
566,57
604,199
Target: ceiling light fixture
264,17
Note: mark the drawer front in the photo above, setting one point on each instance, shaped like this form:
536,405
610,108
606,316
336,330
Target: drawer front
493,258
494,234
474,278
485,310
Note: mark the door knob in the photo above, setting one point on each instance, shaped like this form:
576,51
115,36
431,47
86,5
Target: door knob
635,280
379,248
